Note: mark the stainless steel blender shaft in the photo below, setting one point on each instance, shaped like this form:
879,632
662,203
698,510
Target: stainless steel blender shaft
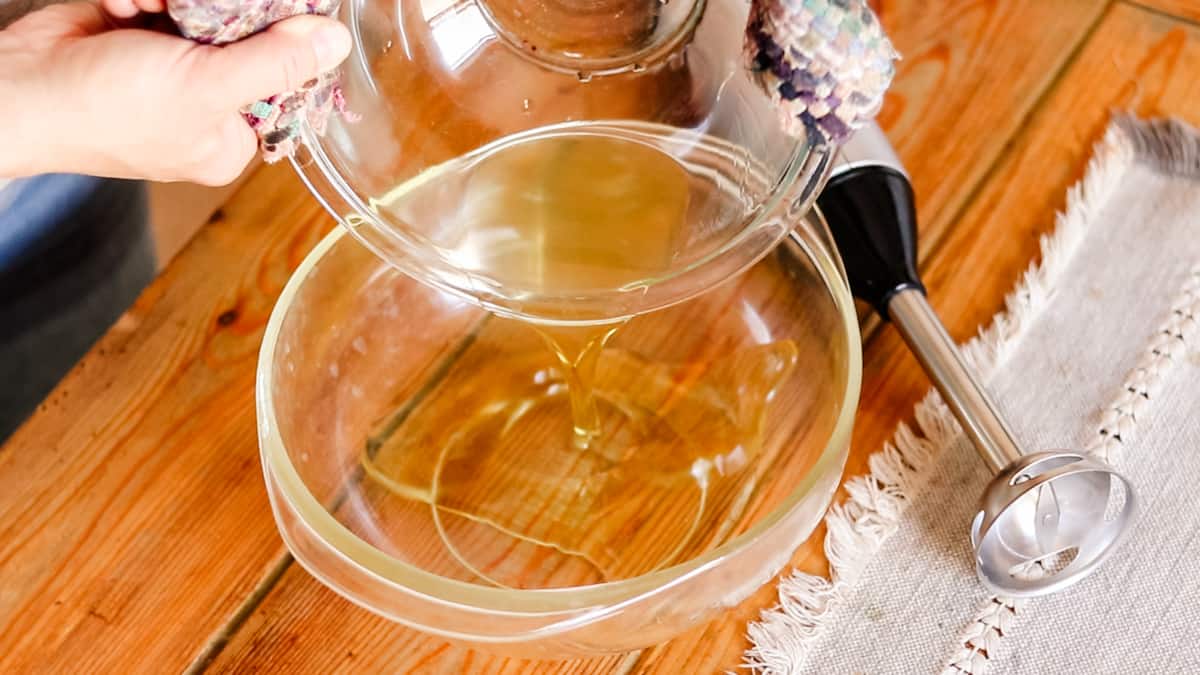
962,392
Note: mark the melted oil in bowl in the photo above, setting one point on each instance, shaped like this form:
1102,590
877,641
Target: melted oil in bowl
666,465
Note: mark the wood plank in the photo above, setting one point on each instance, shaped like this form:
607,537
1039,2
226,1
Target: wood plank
983,256
971,72
1184,9
301,626
179,210
121,490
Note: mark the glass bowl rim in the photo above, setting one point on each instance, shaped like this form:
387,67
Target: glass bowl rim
605,597
799,183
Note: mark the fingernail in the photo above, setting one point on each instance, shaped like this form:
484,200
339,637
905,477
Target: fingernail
331,44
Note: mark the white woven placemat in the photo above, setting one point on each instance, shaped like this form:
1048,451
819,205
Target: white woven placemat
1099,349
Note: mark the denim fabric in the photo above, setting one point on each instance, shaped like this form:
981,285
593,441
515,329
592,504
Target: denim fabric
75,252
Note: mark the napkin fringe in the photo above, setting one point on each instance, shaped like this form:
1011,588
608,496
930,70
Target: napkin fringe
784,635
1170,145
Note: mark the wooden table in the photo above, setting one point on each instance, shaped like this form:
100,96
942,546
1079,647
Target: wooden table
135,533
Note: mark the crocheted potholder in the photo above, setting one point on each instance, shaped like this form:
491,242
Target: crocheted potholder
276,120
825,63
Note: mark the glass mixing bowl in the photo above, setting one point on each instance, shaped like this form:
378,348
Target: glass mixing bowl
605,178
371,417
454,102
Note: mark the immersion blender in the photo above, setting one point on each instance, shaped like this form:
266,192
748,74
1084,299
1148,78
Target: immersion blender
1047,519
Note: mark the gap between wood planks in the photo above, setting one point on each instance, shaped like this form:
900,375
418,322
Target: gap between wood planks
218,641
870,332
1161,11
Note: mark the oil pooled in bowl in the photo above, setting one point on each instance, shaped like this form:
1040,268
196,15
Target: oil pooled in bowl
667,469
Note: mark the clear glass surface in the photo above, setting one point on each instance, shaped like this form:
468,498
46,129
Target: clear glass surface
382,401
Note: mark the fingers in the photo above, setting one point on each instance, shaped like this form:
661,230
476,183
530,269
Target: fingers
127,9
279,59
120,9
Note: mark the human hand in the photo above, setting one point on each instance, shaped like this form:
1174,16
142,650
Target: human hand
78,95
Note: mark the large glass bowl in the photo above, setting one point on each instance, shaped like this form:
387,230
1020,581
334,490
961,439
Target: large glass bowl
361,365
439,89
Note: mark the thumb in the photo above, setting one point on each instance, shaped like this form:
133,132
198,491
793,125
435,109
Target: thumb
281,58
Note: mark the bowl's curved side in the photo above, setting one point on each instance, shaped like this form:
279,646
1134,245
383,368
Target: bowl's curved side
607,617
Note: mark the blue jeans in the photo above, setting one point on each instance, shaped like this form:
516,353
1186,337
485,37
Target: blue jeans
75,252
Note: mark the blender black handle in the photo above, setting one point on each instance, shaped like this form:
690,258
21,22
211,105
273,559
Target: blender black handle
869,205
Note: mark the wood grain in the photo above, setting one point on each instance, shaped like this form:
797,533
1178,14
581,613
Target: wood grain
132,521
133,524
115,498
